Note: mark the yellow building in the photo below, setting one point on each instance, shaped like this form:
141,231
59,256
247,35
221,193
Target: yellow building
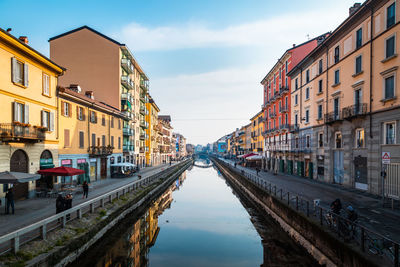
257,128
90,134
152,154
28,132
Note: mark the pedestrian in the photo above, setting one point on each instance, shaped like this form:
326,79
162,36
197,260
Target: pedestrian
352,215
68,204
170,163
257,170
10,200
85,187
336,206
235,164
60,203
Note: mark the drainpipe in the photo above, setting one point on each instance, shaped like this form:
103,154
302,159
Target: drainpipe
370,73
326,100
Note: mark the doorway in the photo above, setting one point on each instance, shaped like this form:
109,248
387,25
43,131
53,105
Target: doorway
19,163
103,168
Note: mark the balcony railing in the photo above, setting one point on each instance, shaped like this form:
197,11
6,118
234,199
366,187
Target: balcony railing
143,110
144,84
144,124
127,131
128,114
21,133
277,94
99,151
333,116
128,147
294,128
284,126
272,115
142,136
165,149
127,82
355,111
127,65
284,109
128,97
283,90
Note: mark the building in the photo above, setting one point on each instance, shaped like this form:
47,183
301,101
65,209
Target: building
152,149
165,138
108,68
277,107
257,128
354,104
180,145
28,127
90,134
247,147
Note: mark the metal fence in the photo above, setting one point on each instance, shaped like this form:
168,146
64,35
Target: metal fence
370,242
13,240
392,181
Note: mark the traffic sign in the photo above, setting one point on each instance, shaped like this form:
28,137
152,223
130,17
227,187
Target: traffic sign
385,157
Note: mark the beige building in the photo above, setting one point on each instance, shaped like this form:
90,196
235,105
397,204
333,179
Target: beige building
103,65
164,138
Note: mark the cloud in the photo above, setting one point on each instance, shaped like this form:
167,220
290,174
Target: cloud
257,33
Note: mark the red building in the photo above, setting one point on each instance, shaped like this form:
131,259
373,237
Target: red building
276,107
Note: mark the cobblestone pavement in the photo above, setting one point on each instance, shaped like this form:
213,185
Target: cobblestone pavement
369,207
32,210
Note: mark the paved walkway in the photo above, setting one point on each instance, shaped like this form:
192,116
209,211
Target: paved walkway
32,210
369,208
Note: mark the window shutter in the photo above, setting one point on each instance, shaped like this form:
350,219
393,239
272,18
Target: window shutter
66,138
43,118
14,69
26,77
15,107
62,108
26,114
77,112
51,122
70,110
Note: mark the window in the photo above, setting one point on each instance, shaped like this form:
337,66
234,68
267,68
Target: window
359,38
286,118
80,113
21,112
119,142
103,120
307,76
81,139
336,108
358,64
19,72
286,67
297,142
46,84
119,124
103,140
391,15
308,141
360,138
337,51
389,87
320,112
112,141
45,118
286,103
296,119
320,67
390,133
357,101
112,122
390,46
286,82
320,86
296,84
280,106
307,115
66,137
320,140
338,140
295,100
307,93
337,77
66,109
93,117
93,139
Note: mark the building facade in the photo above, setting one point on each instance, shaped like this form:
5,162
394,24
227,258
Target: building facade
28,128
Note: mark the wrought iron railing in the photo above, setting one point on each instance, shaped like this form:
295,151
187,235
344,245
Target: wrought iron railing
98,151
360,109
21,133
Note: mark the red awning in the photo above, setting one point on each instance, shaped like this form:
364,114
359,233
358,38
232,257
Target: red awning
61,171
249,155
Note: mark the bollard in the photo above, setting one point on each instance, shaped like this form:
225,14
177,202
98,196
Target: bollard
16,244
117,195
79,214
110,198
91,207
43,231
64,221
102,202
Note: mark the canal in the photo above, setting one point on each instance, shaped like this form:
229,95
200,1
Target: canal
197,221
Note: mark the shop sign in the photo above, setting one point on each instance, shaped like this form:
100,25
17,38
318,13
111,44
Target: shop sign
81,161
92,160
66,161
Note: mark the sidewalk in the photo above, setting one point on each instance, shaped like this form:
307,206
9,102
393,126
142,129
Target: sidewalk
369,208
32,210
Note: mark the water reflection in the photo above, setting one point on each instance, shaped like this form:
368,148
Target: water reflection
197,223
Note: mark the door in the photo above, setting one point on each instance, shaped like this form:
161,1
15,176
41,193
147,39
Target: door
310,170
338,171
282,167
19,163
361,172
103,171
307,171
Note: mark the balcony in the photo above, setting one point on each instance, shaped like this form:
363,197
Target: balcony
284,126
127,82
272,99
141,149
272,115
144,124
100,151
21,133
142,136
164,149
277,95
128,97
333,116
156,150
127,65
294,128
354,111
142,110
128,114
128,148
144,84
284,109
127,131
283,90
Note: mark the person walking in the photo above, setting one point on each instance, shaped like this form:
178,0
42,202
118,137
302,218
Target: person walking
68,204
10,200
85,187
257,170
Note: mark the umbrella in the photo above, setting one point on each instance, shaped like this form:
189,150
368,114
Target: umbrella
17,177
62,171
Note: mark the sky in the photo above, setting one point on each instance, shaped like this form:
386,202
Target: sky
205,59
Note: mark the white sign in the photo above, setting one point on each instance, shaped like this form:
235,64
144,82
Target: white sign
385,157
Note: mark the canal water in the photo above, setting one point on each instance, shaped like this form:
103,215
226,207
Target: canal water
197,221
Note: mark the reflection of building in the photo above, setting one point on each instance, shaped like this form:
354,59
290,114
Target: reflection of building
28,128
90,133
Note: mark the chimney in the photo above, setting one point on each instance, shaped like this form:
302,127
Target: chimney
75,87
89,94
9,30
354,8
294,45
24,39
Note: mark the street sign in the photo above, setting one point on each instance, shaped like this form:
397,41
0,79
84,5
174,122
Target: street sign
385,157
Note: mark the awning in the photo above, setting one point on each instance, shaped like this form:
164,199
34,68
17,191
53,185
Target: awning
246,155
123,164
255,157
17,177
62,171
